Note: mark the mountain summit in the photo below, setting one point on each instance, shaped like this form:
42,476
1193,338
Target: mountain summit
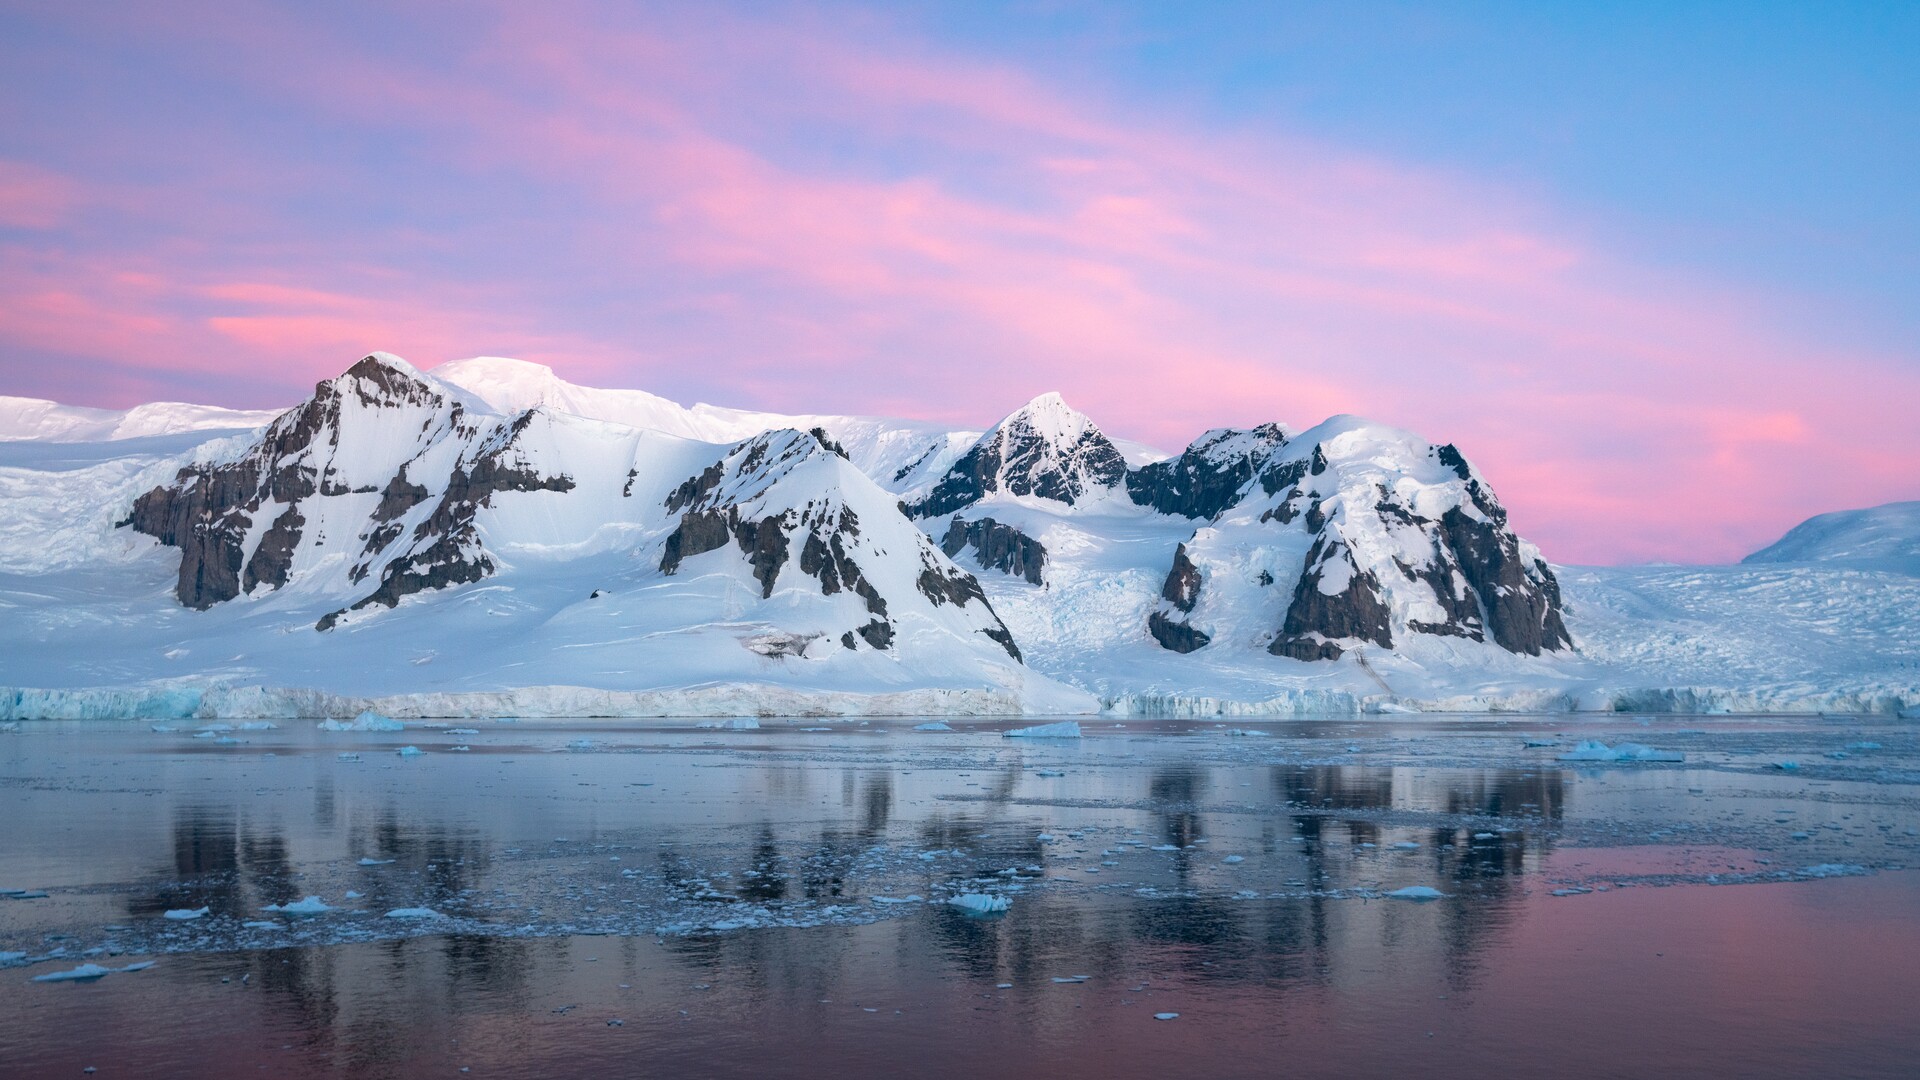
1046,449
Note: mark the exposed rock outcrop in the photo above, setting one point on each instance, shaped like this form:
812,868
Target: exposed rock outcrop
1210,475
1046,449
997,547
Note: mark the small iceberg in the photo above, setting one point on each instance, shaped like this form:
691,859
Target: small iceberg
89,972
312,905
738,723
409,751
374,862
980,903
414,913
1066,729
1415,892
937,725
186,914
1166,1016
1244,733
1593,750
366,721
462,731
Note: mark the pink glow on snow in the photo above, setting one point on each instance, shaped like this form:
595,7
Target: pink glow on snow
1165,280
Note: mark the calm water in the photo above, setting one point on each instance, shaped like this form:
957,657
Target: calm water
615,899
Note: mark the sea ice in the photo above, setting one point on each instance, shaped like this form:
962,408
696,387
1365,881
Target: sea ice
980,903
312,905
1066,729
936,725
374,862
185,914
409,751
737,723
83,973
1166,1016
414,913
1416,892
1593,750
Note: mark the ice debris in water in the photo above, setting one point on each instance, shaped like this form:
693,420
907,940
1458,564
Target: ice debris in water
185,914
462,731
258,725
937,725
1048,772
1243,733
366,721
374,862
90,972
1594,750
1416,892
414,913
1234,859
738,723
1166,1016
312,905
980,903
409,751
1066,729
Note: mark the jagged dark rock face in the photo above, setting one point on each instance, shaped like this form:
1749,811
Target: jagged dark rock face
997,547
827,442
1021,461
208,510
828,560
1356,612
957,587
445,549
1209,476
1182,587
1175,636
1524,617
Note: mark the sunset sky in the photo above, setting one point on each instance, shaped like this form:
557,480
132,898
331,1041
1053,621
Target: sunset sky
1654,267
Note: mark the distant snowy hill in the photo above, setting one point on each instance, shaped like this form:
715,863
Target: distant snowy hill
47,421
489,538
1891,531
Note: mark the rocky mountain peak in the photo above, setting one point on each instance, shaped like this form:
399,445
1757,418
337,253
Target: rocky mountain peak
1046,449
1210,475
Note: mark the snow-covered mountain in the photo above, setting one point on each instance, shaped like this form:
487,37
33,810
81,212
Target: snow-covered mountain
489,537
49,421
1888,532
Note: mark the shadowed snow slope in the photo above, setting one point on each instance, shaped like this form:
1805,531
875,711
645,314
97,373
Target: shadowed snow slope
487,538
1884,532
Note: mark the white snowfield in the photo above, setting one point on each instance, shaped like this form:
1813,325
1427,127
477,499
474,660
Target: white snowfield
576,610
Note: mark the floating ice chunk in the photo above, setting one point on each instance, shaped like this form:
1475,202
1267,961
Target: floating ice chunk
738,723
224,740
349,757
1415,892
139,965
312,905
1166,1016
937,725
414,913
261,925
1048,772
980,903
1407,845
351,895
1234,859
463,731
164,729
1166,847
374,862
1045,838
1071,978
1531,743
366,721
12,959
409,751
462,749
582,744
83,973
1863,746
1593,750
1485,836
1786,766
912,898
1245,733
258,725
186,914
205,734
1066,729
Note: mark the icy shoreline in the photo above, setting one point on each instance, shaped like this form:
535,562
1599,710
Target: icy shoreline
748,699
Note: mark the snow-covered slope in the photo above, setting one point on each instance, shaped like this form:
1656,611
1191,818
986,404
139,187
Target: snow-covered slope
1891,531
500,540
897,454
48,421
